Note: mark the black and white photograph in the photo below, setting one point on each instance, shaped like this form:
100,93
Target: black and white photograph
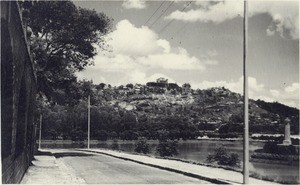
150,92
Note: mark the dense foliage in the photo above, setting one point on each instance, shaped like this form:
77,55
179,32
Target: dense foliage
125,113
63,41
276,139
222,157
115,145
274,148
167,148
141,146
277,108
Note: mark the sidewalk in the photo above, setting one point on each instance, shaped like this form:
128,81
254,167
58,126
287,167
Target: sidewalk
215,175
47,169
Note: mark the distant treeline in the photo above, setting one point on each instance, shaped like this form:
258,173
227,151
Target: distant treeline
277,108
107,123
128,114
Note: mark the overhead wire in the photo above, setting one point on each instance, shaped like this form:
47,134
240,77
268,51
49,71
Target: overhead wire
153,15
161,14
173,19
154,12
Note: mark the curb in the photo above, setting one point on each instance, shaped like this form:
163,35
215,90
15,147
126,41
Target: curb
215,181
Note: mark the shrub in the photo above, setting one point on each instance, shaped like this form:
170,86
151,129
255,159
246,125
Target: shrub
212,135
233,159
222,157
102,135
167,148
270,147
141,146
295,141
115,145
113,135
129,135
163,135
274,148
78,135
229,135
269,138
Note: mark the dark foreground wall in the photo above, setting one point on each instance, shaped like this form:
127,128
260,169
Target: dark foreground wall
18,92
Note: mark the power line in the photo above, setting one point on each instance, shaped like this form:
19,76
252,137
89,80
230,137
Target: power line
173,19
153,15
161,14
155,12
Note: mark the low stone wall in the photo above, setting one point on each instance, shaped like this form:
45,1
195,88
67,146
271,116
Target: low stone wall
18,92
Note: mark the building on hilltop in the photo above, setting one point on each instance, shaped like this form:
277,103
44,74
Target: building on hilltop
151,84
162,84
162,80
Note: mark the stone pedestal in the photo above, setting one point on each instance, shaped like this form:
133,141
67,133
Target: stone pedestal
287,132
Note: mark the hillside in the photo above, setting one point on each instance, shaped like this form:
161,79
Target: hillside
213,107
130,111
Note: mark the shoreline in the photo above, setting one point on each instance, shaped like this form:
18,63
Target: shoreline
94,141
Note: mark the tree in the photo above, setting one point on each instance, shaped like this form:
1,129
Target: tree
236,118
63,42
141,146
100,86
167,148
224,128
186,85
222,157
115,145
129,86
102,135
77,135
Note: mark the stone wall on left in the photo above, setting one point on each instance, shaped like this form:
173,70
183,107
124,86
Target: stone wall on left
18,93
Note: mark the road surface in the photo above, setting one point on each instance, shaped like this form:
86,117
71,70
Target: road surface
103,169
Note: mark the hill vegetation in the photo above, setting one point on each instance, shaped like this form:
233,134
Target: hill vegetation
131,111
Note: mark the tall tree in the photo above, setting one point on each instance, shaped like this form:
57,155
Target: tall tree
64,41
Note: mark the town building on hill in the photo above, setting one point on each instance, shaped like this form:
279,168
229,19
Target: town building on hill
162,80
162,83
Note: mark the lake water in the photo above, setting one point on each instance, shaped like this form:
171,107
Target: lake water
198,150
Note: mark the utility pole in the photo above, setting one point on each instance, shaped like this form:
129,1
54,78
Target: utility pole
245,88
40,131
89,120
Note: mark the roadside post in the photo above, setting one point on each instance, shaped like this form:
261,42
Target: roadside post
89,120
245,89
40,131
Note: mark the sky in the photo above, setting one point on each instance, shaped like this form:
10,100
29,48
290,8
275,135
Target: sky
201,43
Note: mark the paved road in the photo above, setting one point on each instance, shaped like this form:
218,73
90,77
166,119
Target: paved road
103,169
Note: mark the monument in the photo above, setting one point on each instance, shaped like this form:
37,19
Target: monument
287,132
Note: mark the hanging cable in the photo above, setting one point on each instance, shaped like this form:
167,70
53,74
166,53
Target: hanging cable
161,14
154,12
173,19
153,15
